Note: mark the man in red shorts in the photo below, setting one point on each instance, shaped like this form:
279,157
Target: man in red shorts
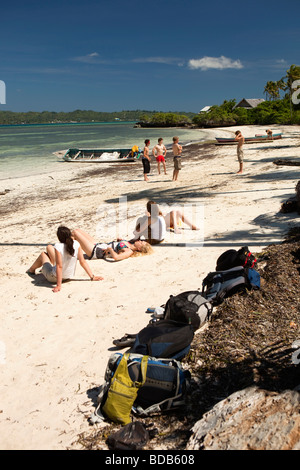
159,152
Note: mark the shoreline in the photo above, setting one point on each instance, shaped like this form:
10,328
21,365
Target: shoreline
55,347
18,161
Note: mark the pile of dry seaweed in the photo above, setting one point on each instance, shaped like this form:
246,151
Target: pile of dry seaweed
247,342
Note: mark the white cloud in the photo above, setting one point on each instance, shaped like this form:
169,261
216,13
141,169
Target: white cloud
204,63
88,59
219,63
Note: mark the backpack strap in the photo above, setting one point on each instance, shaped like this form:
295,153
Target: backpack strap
250,258
171,402
97,416
144,365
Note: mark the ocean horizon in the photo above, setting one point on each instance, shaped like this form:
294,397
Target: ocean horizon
70,123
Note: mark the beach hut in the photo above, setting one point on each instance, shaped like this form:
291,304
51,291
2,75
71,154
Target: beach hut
249,103
205,109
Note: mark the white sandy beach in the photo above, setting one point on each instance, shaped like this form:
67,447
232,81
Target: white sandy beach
54,347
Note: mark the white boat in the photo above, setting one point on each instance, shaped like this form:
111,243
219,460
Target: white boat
111,155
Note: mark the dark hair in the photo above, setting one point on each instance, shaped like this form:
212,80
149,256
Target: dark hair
64,236
147,141
153,209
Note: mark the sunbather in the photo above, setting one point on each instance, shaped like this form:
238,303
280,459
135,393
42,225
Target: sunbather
118,250
175,218
172,219
151,226
58,263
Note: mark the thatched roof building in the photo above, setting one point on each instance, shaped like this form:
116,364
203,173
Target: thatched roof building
249,104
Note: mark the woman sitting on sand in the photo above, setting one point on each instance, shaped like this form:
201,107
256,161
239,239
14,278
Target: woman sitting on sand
172,220
118,250
59,261
151,226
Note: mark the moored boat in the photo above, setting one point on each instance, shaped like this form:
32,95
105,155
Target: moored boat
111,155
249,140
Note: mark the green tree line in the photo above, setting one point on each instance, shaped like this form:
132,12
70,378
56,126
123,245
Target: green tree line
166,120
82,116
276,110
268,112
47,117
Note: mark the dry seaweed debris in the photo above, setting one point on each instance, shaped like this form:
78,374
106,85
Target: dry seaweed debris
248,342
250,338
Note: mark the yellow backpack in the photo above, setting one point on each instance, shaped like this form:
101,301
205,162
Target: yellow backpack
122,392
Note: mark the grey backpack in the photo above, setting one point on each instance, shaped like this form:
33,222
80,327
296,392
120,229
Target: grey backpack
219,285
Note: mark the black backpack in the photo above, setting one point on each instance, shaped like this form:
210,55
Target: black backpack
164,339
188,307
218,285
132,436
232,258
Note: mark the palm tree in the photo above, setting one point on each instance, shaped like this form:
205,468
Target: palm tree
281,85
267,90
272,90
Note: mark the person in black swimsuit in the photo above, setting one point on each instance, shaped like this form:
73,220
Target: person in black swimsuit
118,250
146,160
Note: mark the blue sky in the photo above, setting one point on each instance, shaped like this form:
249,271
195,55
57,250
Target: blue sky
113,55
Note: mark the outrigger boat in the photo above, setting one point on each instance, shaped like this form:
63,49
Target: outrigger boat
248,140
114,155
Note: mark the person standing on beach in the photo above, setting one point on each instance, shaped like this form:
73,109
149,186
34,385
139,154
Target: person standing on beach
240,152
146,160
159,152
177,149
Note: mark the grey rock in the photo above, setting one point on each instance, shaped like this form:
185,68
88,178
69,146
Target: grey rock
250,419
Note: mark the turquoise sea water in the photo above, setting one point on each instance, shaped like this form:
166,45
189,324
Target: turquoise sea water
28,150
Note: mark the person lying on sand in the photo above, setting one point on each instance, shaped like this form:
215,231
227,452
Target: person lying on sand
118,250
155,223
175,218
58,263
